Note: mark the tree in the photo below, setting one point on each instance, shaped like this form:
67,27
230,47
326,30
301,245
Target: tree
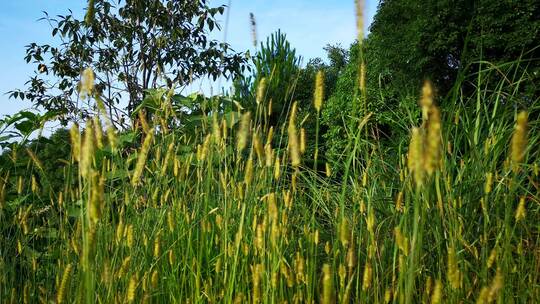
132,46
275,62
411,41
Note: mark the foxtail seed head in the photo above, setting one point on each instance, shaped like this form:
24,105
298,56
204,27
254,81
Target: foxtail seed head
366,280
328,285
521,211
75,141
433,141
318,95
415,156
360,20
87,152
427,99
302,140
294,149
454,274
261,91
63,284
141,159
489,183
132,289
519,141
436,296
242,137
86,86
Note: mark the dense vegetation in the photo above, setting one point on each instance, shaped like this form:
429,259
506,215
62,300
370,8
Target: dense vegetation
347,180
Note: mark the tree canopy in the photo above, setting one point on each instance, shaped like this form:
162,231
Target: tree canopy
131,45
412,40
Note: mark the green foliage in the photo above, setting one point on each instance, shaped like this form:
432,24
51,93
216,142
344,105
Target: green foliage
131,46
411,42
276,61
49,175
17,128
206,223
174,211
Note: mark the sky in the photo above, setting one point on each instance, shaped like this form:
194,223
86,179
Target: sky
308,24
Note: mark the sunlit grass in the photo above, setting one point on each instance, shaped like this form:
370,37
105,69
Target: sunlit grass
237,220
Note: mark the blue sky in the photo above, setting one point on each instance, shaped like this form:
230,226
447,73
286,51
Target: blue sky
308,24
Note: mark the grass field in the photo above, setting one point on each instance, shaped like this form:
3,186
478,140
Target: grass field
453,217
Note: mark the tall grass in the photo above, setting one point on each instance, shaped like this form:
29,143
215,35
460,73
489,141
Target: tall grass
240,219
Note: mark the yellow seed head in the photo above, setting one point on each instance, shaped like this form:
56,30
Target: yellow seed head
492,257
318,95
362,77
243,131
328,285
401,241
483,296
366,281
257,271
96,198
19,185
86,86
453,272
489,182
99,132
154,279
277,169
387,295
224,129
64,282
327,248
344,232
248,173
360,20
124,267
370,221
167,159
415,156
270,108
328,169
111,136
433,141
141,159
142,121
157,246
351,258
272,206
496,285
300,265
269,155
257,146
132,289
120,231
261,91
521,210
294,149
87,152
316,237
35,159
90,12
35,186
399,201
129,236
302,141
171,257
436,296
519,141
427,99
